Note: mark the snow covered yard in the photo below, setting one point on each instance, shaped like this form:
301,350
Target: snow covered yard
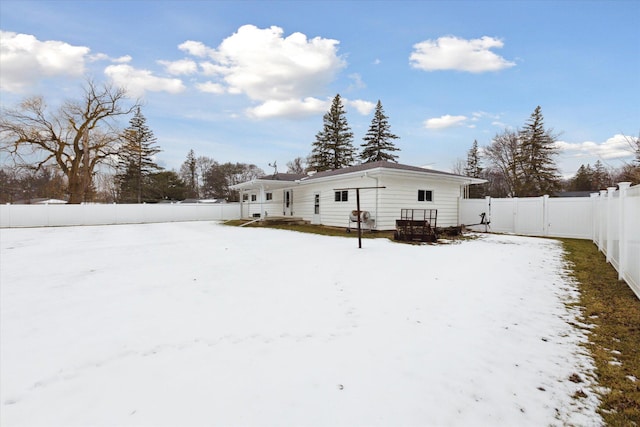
194,324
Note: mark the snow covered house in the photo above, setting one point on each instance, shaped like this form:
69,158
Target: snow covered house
328,198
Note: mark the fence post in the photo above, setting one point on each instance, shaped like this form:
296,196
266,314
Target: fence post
545,215
603,221
514,216
610,219
594,216
622,242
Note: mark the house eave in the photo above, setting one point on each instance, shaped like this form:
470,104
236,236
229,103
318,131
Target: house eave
266,184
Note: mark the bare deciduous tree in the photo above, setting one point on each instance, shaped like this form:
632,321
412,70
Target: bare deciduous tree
503,154
79,136
296,165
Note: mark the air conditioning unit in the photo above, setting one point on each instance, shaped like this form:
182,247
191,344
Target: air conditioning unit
365,216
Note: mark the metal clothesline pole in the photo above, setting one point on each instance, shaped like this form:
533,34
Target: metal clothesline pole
358,207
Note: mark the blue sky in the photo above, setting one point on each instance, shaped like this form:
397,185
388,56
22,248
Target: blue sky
247,81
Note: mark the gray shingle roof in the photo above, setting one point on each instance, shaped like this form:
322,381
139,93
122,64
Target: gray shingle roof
374,165
283,177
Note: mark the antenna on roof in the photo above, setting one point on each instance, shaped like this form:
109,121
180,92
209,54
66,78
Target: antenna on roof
275,167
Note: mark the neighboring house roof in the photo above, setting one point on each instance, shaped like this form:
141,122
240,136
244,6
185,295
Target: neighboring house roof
39,201
285,180
202,201
283,177
573,194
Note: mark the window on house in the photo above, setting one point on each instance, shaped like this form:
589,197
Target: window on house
425,196
245,197
254,197
342,196
269,196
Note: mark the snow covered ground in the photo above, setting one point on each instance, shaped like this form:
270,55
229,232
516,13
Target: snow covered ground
194,324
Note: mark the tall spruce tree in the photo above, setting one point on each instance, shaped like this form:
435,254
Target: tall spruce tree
189,174
333,147
136,162
474,170
601,178
537,148
379,139
583,179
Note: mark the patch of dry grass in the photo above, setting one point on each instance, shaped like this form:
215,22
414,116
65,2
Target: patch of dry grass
612,307
316,229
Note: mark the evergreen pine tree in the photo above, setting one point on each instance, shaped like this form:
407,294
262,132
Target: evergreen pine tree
474,170
583,179
136,159
333,148
601,177
379,139
537,147
189,174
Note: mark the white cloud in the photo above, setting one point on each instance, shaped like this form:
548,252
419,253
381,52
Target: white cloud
357,82
477,115
210,87
268,67
289,108
138,81
445,121
26,59
104,57
180,67
196,49
363,107
210,69
616,147
453,53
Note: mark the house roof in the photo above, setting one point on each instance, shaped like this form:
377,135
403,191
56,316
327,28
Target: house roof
375,165
282,180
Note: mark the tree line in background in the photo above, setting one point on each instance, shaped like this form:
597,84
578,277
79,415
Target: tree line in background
72,154
520,163
78,154
68,154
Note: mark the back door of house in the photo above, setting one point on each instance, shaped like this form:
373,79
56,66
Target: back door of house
287,203
316,209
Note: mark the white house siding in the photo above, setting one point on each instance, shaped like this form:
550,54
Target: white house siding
273,207
402,193
332,213
384,204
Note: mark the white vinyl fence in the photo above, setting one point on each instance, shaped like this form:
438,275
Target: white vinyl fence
617,230
532,216
89,214
610,218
